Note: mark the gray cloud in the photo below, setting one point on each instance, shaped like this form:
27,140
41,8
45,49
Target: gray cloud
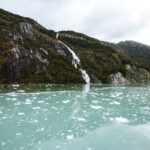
111,20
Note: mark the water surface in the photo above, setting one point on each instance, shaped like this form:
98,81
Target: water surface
75,117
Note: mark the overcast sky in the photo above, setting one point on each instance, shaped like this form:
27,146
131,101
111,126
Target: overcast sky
109,20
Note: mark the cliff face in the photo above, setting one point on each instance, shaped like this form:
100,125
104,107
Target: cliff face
29,53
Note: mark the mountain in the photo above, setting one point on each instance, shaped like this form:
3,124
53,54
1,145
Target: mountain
30,53
137,51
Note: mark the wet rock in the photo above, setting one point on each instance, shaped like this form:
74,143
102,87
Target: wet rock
118,78
94,79
40,57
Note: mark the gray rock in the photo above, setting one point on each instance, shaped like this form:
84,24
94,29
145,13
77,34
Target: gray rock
118,78
27,29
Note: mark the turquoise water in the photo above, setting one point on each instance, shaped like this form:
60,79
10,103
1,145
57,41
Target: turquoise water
75,117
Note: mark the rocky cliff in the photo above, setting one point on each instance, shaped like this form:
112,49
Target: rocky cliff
29,53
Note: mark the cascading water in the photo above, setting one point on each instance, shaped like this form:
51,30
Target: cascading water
76,61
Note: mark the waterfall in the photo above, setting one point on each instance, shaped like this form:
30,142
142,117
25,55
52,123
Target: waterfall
76,61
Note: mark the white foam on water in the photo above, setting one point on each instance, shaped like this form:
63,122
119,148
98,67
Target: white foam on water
95,101
36,108
95,107
13,94
82,119
18,134
14,99
28,102
35,121
21,113
54,108
70,137
3,143
5,117
66,101
115,103
121,120
15,85
40,102
40,129
17,103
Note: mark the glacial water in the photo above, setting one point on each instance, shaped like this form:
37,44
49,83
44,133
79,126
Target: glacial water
75,117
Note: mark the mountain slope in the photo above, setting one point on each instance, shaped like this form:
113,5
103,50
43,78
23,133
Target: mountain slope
29,53
137,51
